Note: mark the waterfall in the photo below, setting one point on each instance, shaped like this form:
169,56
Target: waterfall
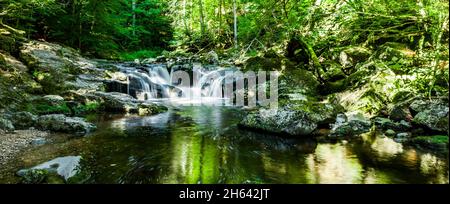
154,81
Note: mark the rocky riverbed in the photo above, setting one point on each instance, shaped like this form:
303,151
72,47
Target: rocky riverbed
12,143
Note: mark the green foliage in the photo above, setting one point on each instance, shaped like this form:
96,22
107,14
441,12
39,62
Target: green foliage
96,27
437,139
43,109
91,107
141,54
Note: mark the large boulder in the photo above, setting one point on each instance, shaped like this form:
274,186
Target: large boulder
54,66
431,114
61,123
352,124
291,120
66,167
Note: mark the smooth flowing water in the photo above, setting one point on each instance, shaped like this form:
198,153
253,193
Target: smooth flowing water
202,144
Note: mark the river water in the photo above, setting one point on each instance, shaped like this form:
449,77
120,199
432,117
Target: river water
202,144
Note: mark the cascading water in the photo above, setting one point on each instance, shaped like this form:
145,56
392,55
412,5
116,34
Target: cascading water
154,82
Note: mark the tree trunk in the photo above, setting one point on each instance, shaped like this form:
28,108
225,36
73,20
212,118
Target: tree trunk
312,55
202,18
235,25
133,7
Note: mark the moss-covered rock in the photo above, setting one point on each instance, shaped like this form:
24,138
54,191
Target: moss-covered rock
24,120
433,114
146,109
54,66
300,119
61,123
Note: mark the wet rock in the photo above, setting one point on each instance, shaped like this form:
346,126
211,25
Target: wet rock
431,114
66,167
24,120
117,102
280,121
61,123
355,124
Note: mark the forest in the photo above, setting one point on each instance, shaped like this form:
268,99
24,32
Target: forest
362,91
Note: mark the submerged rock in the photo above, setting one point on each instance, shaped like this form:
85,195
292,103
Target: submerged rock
61,123
355,124
66,167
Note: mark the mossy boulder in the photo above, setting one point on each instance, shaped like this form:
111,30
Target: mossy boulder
61,123
350,56
433,114
24,120
54,66
146,109
291,120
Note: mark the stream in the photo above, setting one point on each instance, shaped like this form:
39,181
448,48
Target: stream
202,144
